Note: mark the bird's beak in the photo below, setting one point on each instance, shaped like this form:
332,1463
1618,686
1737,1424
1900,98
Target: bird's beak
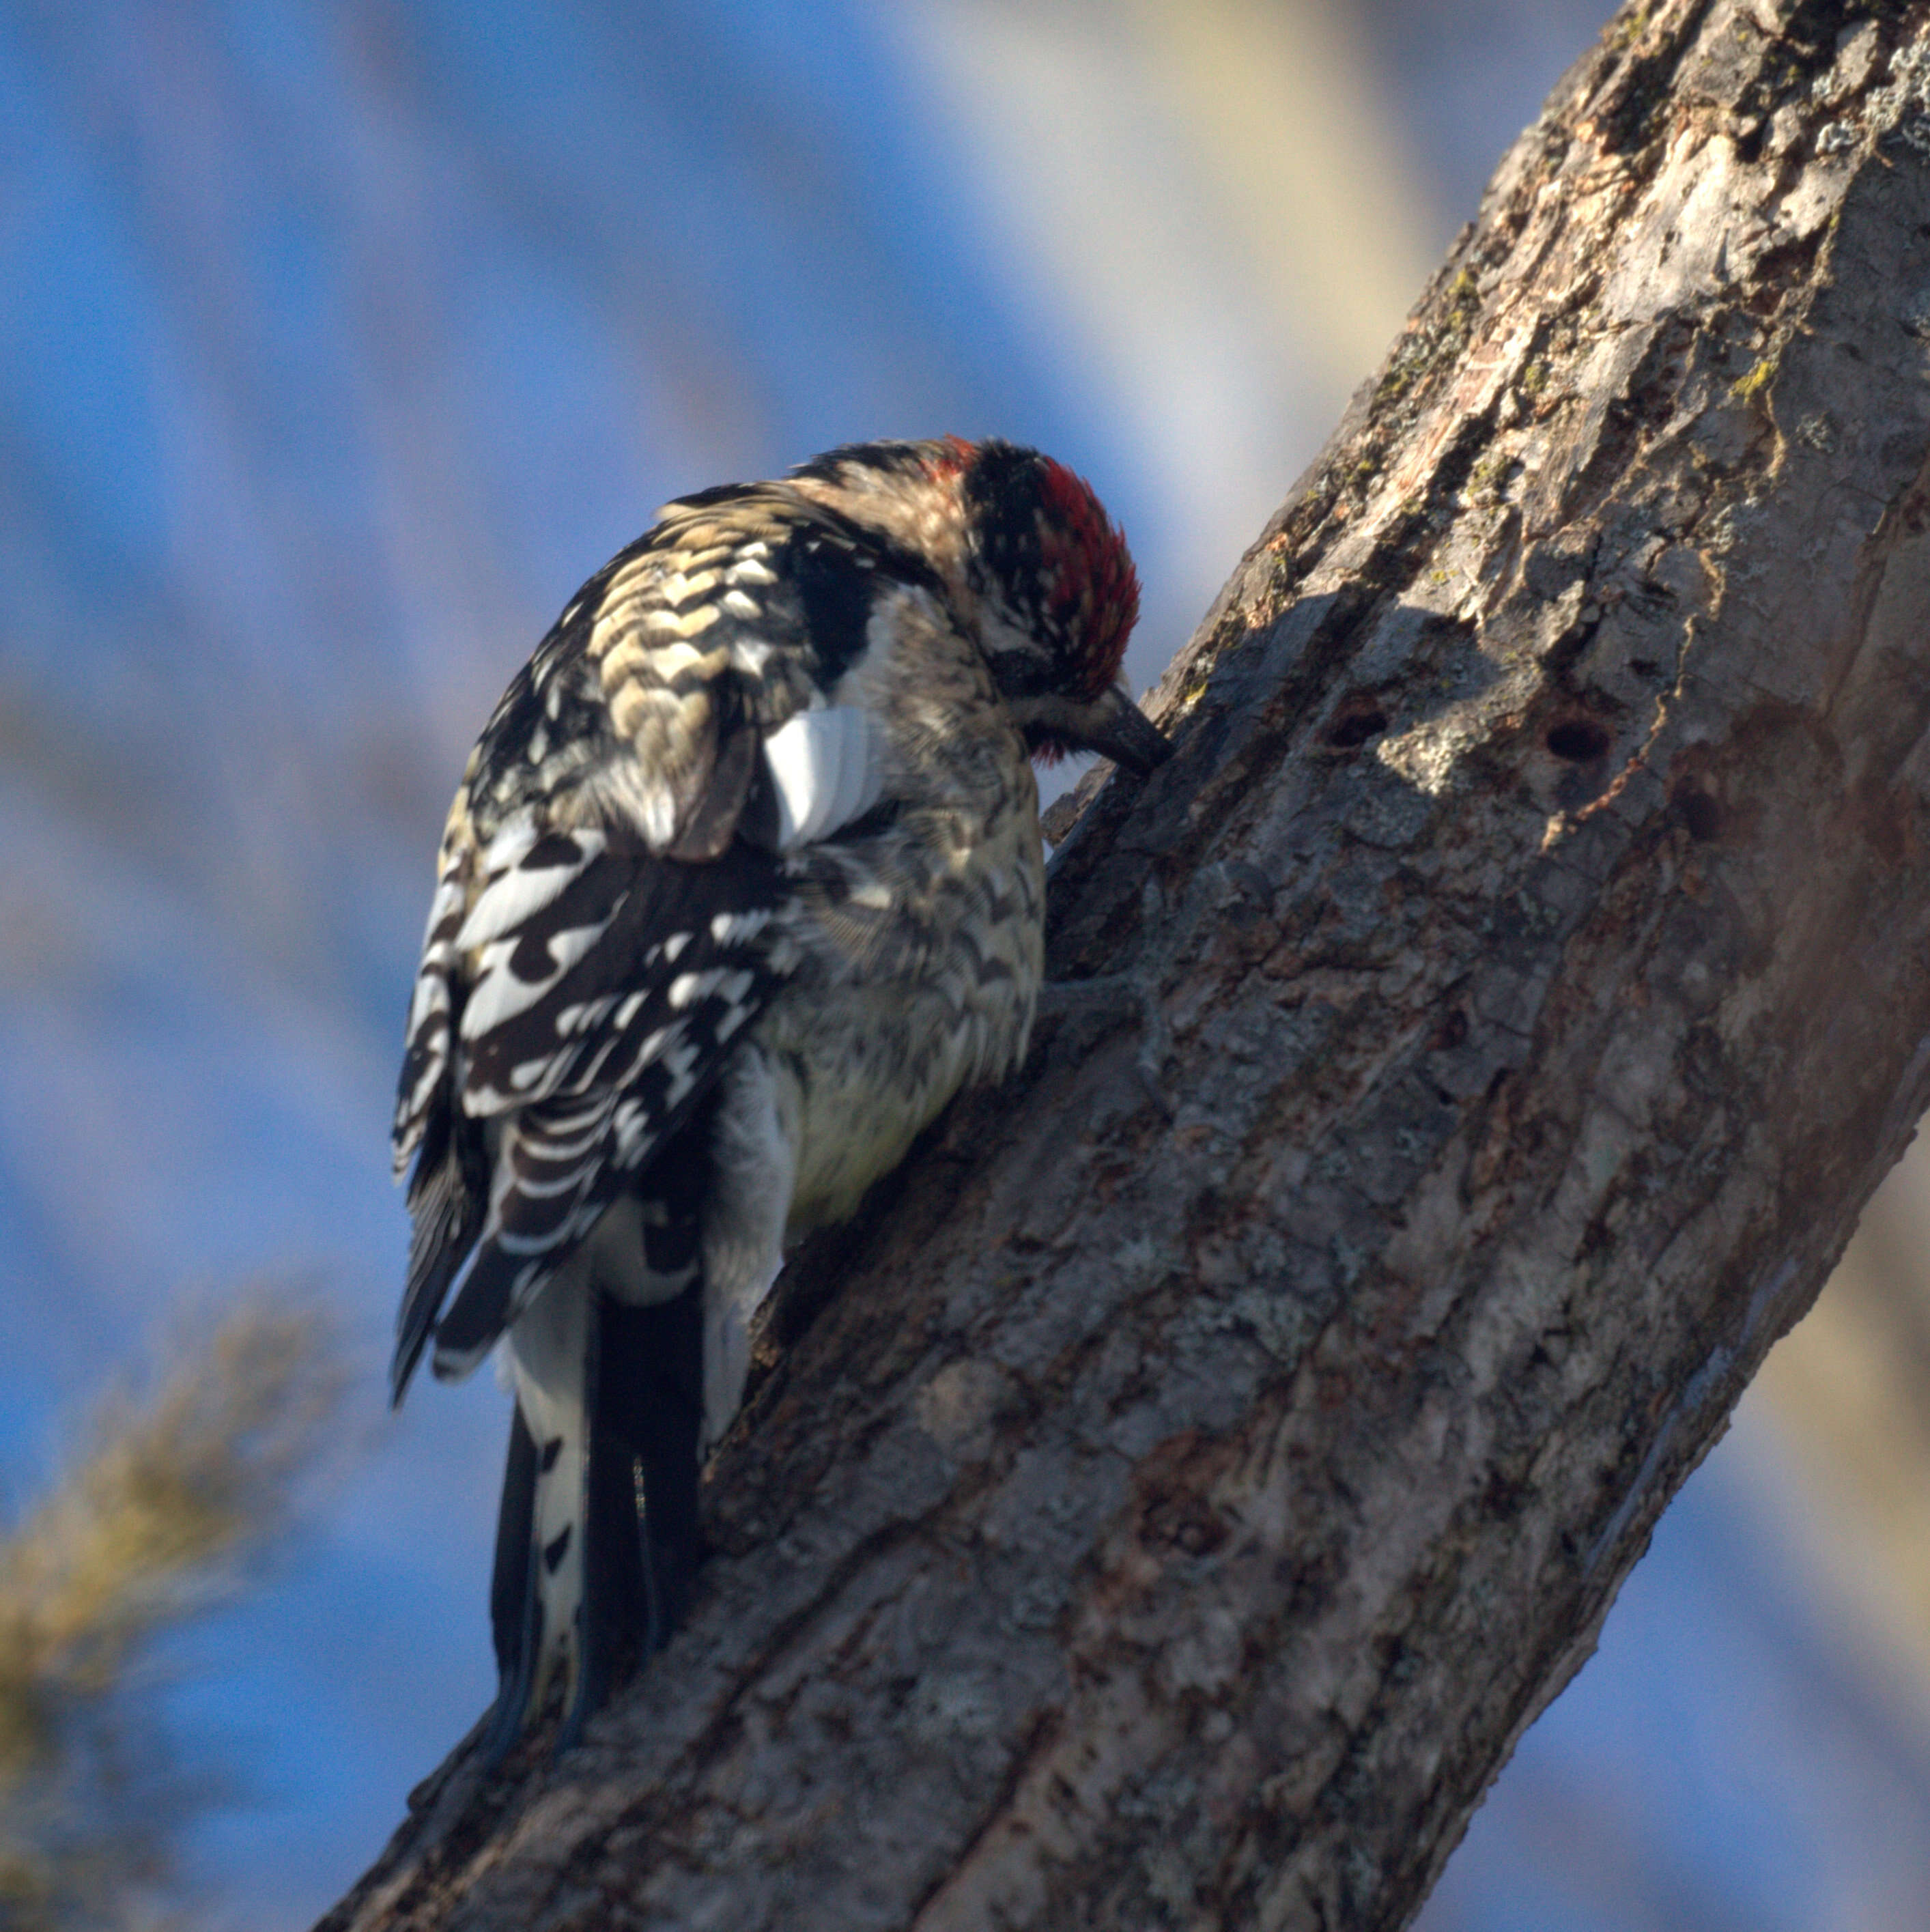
1112,725
1116,727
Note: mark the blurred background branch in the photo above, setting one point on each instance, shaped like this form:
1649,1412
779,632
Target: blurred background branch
177,1490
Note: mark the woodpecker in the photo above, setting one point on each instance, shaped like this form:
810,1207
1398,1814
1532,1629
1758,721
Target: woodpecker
743,881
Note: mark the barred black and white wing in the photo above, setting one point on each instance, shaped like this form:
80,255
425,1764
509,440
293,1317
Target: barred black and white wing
595,1022
606,920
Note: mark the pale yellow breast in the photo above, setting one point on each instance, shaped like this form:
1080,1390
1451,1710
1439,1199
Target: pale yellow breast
884,1055
926,941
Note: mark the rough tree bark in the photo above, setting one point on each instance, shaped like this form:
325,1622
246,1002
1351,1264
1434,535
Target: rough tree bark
1174,1501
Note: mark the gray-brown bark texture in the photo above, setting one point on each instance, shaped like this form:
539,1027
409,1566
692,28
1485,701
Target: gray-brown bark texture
1170,1506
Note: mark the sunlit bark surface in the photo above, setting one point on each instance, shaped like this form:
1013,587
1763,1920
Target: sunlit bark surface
1168,1507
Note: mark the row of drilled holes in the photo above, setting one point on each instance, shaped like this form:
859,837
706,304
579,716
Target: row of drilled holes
1576,741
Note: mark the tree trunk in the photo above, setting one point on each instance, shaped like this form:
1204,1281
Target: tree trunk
1173,1501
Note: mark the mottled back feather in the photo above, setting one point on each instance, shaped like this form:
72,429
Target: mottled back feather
601,931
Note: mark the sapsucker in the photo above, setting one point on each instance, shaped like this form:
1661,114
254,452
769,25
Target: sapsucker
742,883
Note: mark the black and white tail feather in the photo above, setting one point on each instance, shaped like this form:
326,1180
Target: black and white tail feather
684,814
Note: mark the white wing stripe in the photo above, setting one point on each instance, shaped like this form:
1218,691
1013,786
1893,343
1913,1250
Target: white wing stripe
437,951
734,929
826,768
500,994
515,891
